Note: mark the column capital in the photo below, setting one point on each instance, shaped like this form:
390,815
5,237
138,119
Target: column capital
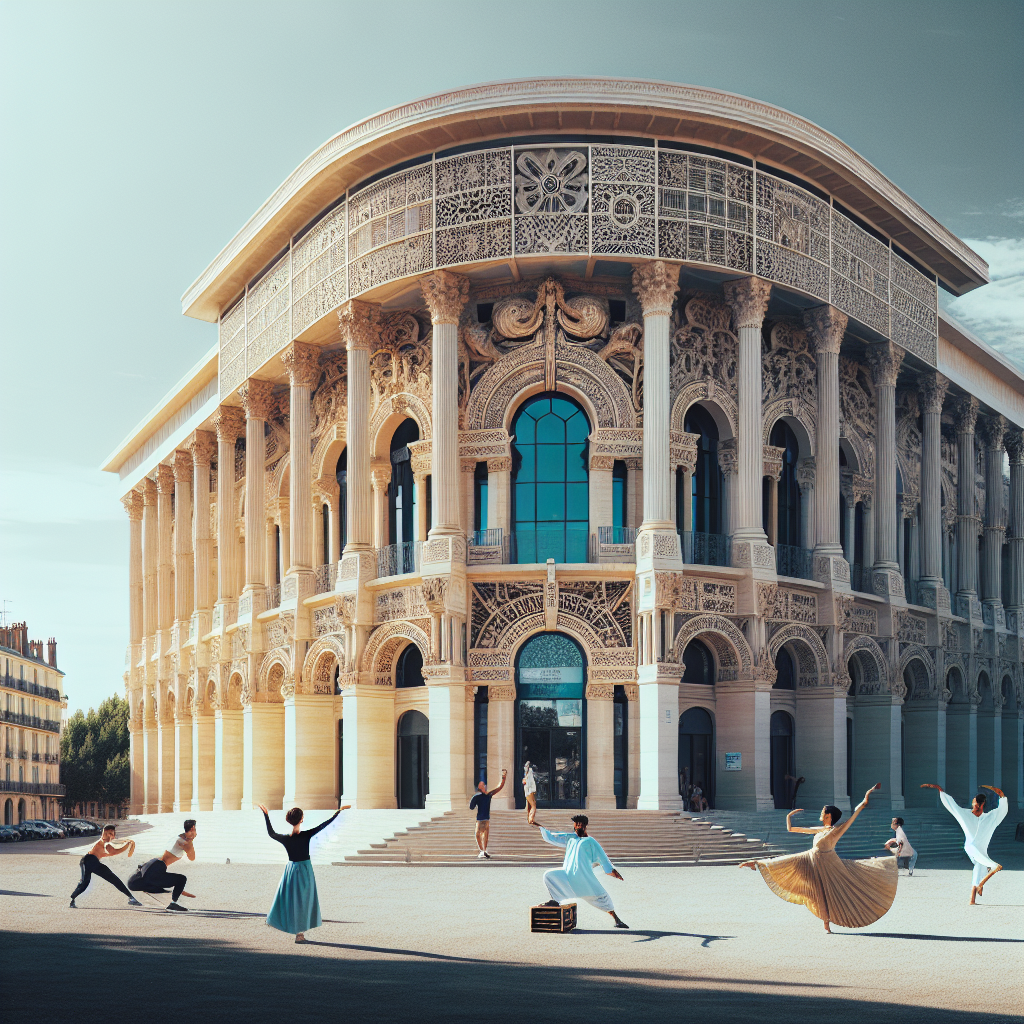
965,414
1015,445
806,474
132,502
148,492
445,294
993,430
302,363
825,327
656,284
933,388
358,322
183,466
202,446
164,479
748,298
229,423
885,361
257,398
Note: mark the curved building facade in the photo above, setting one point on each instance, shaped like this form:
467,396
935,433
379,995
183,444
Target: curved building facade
608,425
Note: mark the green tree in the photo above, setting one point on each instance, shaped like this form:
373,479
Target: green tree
94,754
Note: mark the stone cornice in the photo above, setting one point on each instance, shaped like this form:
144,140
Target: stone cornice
655,109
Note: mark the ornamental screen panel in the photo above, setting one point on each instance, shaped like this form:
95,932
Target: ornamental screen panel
586,200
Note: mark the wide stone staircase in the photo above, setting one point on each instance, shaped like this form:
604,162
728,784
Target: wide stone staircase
628,837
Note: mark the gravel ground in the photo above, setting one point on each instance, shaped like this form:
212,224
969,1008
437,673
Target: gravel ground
449,944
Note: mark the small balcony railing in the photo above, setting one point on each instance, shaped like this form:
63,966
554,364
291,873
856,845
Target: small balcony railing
51,758
705,548
326,577
396,559
43,788
613,544
13,683
488,547
793,561
35,757
532,545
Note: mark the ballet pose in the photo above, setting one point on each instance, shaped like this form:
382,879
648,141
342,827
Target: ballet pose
978,827
530,790
296,907
853,893
91,865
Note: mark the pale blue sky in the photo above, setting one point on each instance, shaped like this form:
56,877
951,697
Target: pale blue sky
138,137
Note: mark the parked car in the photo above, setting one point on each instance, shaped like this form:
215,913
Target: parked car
29,830
9,834
85,828
48,831
60,827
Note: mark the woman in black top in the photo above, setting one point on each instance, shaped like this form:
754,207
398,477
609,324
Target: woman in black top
296,907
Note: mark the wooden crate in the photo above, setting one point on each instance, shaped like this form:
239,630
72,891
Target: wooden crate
553,919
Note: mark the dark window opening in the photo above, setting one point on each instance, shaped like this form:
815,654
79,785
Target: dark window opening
617,310
698,665
484,311
401,500
620,477
788,526
480,485
409,670
785,678
706,487
341,474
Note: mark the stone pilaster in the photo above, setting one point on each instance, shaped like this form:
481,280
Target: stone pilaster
445,294
150,550
1015,448
133,505
885,360
748,298
229,424
165,563
993,432
183,583
202,445
303,364
825,328
257,401
966,418
933,388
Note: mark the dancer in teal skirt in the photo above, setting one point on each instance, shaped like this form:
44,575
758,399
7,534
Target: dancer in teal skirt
296,907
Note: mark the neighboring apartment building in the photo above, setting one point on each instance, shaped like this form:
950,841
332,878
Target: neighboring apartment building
612,425
31,702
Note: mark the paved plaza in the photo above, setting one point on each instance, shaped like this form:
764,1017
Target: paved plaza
452,944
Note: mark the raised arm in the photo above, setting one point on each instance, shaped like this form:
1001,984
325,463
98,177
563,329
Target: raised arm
504,775
1003,806
790,827
324,824
843,826
554,838
270,828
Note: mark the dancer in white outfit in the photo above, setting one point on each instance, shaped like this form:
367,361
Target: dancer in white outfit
576,879
530,790
978,828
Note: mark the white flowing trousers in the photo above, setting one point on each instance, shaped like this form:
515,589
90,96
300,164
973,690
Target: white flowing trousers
560,888
982,862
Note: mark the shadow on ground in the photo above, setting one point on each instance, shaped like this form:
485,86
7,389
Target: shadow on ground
160,979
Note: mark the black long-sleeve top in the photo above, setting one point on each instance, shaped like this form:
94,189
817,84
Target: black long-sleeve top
297,843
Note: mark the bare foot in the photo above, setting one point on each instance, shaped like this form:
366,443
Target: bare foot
300,937
828,931
748,864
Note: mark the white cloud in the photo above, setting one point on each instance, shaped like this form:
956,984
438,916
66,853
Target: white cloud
995,312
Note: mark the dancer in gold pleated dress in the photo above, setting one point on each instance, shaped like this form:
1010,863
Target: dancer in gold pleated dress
852,893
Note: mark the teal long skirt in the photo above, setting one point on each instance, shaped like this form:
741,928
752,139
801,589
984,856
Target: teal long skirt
296,906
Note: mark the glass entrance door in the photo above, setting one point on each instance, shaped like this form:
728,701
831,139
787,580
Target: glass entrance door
555,754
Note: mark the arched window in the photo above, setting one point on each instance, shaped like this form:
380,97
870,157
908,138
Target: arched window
341,475
409,670
706,486
781,778
696,759
401,499
788,524
413,776
550,493
698,665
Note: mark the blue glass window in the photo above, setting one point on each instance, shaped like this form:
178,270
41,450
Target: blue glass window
550,490
789,498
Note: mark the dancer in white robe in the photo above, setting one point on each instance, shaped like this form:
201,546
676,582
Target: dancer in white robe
978,827
576,879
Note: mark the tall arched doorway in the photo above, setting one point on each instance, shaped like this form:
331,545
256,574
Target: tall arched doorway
401,494
783,758
550,489
8,812
550,682
696,755
21,811
413,759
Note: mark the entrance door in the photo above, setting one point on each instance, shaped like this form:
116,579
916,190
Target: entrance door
413,759
782,760
550,731
696,757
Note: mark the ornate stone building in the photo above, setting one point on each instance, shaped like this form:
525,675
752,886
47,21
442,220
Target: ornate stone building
611,425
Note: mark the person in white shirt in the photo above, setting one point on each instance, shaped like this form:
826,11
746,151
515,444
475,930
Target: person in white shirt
530,792
978,827
153,876
900,846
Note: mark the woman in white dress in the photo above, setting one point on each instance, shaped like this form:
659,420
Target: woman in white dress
530,789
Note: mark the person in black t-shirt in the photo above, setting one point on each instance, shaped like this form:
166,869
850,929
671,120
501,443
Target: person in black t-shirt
482,803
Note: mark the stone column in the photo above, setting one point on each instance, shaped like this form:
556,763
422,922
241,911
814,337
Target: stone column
825,328
933,388
869,540
992,592
369,754
1015,448
358,328
656,284
501,743
258,401
659,740
183,760
886,360
229,743
380,477
303,365
150,754
133,505
821,728
419,483
499,493
204,761
601,746
445,294
447,750
229,424
165,591
166,758
749,299
183,527
743,726
966,417
202,446
263,776
850,514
